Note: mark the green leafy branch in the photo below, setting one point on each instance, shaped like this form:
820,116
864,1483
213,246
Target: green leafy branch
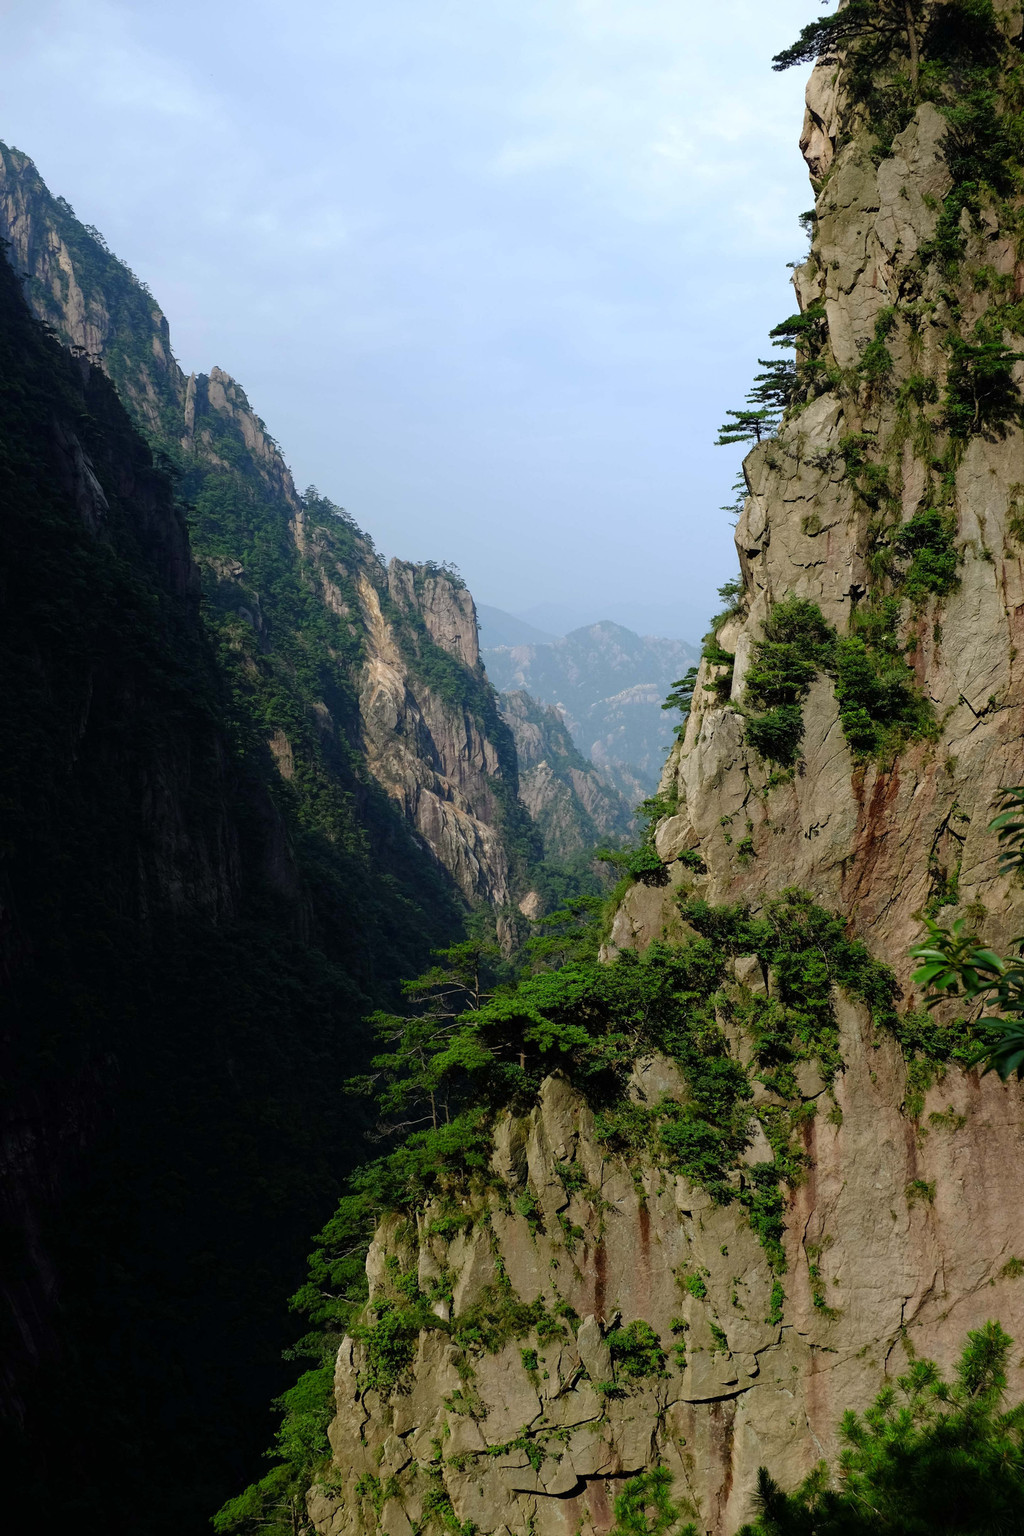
956,963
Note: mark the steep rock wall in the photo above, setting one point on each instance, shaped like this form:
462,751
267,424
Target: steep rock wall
522,1442
876,837
431,756
904,1232
575,808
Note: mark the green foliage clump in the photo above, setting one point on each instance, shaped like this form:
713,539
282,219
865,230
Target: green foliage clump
498,1317
867,29
807,330
956,963
776,1303
681,698
390,1342
405,1077
439,1510
642,862
876,364
712,651
645,1507
636,1352
981,395
927,541
277,1500
646,866
932,1455
808,953
880,706
893,53
796,645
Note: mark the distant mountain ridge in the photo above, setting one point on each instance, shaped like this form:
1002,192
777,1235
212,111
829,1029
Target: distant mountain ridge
609,684
664,620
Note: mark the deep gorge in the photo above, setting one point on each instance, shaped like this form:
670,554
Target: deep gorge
663,1186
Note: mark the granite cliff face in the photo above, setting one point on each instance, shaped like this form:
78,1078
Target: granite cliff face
567,797
878,837
415,707
537,1434
856,712
435,758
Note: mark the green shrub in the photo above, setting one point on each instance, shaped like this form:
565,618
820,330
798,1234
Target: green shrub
796,645
719,1339
498,1317
926,540
636,1352
645,1507
931,1456
981,396
776,735
876,364
645,866
390,1344
880,705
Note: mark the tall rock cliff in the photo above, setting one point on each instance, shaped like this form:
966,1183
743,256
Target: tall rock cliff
704,1277
890,500
575,809
388,675
252,778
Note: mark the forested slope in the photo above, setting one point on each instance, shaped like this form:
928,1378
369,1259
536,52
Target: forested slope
251,778
187,955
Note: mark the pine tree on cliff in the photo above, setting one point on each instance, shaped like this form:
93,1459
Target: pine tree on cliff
931,1456
409,1078
957,964
881,25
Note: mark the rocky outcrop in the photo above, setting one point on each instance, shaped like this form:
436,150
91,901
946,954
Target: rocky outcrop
574,808
431,752
537,1432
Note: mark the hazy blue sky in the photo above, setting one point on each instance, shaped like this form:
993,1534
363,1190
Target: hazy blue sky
491,270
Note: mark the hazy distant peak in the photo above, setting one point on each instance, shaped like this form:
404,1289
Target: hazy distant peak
652,621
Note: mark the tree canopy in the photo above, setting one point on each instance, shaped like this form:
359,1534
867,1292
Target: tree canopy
956,963
931,1455
875,25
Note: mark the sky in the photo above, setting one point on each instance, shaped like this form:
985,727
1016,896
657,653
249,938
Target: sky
492,271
